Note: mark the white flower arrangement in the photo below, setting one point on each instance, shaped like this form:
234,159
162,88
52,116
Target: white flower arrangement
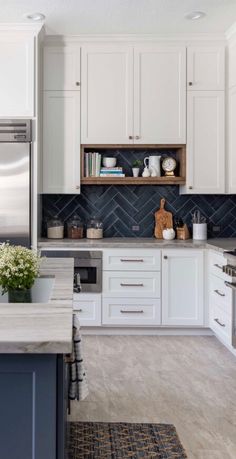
19,267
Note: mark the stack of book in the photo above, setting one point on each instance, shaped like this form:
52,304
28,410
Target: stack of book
92,164
112,172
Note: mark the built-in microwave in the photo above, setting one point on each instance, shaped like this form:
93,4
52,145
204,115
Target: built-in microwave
87,268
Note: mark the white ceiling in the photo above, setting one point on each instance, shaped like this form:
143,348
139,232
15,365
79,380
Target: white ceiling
73,17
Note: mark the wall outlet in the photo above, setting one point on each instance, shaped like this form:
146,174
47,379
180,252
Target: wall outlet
216,228
135,228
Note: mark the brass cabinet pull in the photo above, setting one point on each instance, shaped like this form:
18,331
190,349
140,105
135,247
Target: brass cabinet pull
138,260
219,293
131,285
218,266
131,312
219,323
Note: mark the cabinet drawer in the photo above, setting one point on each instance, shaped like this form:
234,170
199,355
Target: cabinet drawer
221,324
220,294
131,260
129,284
127,311
88,308
216,263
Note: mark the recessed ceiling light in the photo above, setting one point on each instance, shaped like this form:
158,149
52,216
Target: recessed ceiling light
194,15
35,16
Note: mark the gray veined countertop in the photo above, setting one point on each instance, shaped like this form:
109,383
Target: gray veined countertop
41,327
219,244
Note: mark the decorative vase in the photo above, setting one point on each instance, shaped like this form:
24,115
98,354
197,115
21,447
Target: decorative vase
135,171
19,296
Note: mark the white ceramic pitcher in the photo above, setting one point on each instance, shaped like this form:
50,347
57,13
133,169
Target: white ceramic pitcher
154,164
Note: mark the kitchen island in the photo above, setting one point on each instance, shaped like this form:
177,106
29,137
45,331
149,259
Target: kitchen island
34,337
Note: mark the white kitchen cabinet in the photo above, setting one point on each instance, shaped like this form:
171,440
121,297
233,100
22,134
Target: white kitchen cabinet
61,142
159,94
183,287
131,284
16,75
205,68
231,159
205,143
61,68
107,97
88,308
133,95
131,311
131,260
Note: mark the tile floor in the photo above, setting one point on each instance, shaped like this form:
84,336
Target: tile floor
186,381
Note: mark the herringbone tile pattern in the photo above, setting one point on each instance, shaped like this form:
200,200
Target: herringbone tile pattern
121,207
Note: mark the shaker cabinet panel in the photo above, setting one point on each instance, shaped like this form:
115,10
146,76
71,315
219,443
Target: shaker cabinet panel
107,97
17,76
182,287
61,68
61,142
159,95
206,68
205,143
232,142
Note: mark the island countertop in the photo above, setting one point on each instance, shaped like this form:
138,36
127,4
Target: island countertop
41,327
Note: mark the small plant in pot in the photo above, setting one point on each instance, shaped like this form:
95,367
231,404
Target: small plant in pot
19,268
136,167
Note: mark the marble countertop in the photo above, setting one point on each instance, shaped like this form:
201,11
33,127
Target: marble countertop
219,244
41,327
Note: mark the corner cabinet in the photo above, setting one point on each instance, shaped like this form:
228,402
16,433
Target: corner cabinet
61,142
183,287
17,75
133,95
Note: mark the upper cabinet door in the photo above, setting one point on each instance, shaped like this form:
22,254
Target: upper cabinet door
17,75
206,68
107,95
61,142
62,68
159,95
205,143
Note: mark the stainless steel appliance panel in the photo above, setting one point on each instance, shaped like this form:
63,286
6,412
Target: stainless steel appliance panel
15,192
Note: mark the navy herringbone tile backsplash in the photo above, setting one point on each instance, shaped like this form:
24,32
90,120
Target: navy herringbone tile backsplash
121,207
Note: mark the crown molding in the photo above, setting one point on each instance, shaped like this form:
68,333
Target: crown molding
133,38
21,27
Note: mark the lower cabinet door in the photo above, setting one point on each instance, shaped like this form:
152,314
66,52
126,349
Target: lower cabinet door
183,287
131,311
88,308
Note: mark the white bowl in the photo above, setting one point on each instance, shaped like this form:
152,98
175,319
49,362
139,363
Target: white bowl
109,162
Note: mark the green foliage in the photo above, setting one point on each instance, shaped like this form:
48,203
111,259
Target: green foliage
137,163
19,267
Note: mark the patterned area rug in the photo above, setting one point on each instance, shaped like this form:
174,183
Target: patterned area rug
93,440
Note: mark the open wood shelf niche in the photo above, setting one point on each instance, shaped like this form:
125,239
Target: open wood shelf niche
179,153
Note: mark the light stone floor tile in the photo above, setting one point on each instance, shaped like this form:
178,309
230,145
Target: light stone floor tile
183,380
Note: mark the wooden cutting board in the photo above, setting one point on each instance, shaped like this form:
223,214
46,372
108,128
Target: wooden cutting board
163,220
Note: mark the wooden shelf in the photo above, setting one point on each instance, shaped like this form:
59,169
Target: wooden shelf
133,181
180,152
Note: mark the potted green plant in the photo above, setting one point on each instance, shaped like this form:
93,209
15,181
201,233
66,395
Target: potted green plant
136,167
19,268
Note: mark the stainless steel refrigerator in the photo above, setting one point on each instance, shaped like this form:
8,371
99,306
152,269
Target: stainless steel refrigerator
15,181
